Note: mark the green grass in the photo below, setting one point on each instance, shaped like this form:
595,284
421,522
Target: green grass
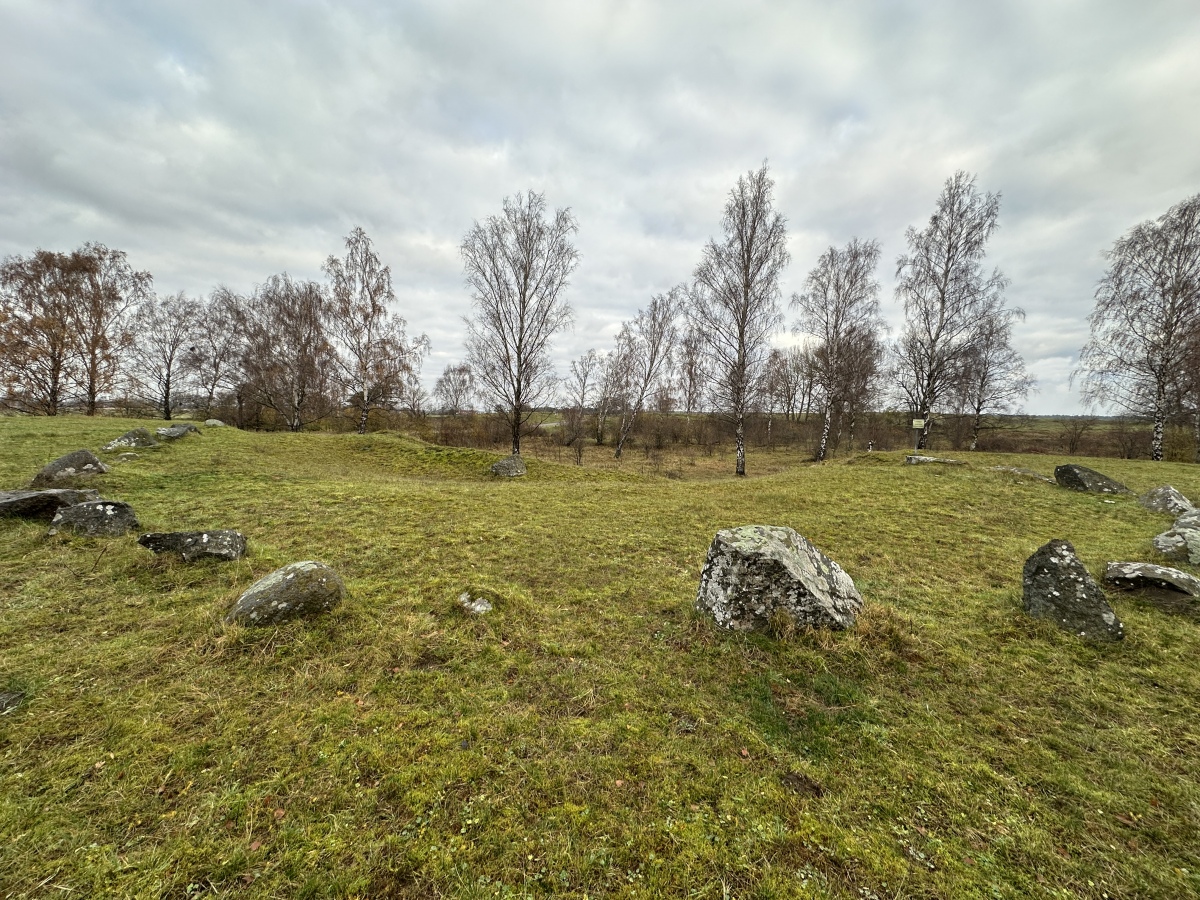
592,736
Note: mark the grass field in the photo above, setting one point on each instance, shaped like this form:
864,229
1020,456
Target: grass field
592,736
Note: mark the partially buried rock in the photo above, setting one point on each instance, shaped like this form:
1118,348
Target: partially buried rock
137,437
42,504
509,467
108,518
127,457
10,700
1182,540
192,545
298,590
1058,587
1081,478
67,469
1134,575
914,460
476,606
1166,499
175,432
214,423
755,572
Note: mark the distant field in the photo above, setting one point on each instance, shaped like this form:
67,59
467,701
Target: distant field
592,736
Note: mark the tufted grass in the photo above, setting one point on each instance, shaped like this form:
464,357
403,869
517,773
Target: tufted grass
592,736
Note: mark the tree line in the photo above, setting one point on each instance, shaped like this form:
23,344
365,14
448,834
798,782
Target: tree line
84,325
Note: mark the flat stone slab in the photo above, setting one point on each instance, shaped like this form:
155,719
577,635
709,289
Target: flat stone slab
224,544
1056,586
1024,473
42,504
1134,575
756,571
66,469
299,590
509,467
1081,478
137,438
213,423
107,518
175,432
1166,499
914,460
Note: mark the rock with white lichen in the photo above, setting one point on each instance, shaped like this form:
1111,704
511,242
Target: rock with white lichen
223,544
1056,586
95,518
299,590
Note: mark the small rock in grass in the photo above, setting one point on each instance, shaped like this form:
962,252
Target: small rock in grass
509,467
914,460
1056,586
175,432
65,469
1166,499
224,544
127,457
108,518
10,700
1081,478
214,423
42,504
476,606
137,437
299,590
755,573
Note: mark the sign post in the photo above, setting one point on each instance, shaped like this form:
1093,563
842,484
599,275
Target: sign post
918,426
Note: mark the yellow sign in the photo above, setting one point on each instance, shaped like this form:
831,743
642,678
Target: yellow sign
918,423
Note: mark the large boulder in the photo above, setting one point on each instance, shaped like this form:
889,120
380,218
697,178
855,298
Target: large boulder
1166,499
509,467
67,469
135,438
1136,575
175,432
42,504
192,545
1182,540
109,518
1058,587
298,590
1081,478
756,571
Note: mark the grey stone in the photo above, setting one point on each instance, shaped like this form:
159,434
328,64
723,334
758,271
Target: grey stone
10,700
476,606
67,469
1133,575
1166,499
1056,586
914,460
1182,540
192,545
175,432
127,457
138,437
42,504
1024,473
754,571
509,467
213,423
110,518
298,590
1081,478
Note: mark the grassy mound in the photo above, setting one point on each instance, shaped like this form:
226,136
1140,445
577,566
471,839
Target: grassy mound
590,736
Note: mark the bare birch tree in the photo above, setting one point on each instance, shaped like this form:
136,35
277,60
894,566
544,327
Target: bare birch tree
1146,316
994,377
735,299
647,343
212,358
840,310
518,265
579,390
946,295
375,358
454,388
163,330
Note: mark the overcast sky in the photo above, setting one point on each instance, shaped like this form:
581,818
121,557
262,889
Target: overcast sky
220,143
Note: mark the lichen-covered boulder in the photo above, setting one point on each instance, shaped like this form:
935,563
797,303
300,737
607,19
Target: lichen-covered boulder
175,432
214,423
299,590
1166,499
67,469
42,504
756,571
1182,540
108,518
509,467
1136,575
135,438
1056,586
192,545
1081,478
